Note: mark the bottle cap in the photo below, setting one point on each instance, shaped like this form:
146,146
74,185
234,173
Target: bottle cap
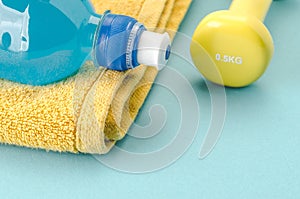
123,43
154,49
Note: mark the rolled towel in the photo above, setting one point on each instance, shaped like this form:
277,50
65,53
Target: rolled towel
93,109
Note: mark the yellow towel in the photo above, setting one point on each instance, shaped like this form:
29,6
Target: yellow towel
90,111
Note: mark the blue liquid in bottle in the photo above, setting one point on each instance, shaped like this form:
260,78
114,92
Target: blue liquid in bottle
44,41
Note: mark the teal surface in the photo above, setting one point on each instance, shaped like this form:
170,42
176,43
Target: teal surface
257,155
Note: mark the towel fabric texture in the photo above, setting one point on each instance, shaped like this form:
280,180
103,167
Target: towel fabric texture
93,109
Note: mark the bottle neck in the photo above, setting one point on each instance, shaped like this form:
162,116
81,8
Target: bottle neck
257,8
89,30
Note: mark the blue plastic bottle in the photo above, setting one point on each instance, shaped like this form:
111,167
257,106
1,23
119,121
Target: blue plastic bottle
44,41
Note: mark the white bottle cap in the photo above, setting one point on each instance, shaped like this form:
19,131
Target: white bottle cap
154,49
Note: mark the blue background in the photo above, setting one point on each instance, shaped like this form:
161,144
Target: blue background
257,155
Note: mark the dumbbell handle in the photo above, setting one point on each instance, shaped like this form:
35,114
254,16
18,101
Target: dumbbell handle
257,8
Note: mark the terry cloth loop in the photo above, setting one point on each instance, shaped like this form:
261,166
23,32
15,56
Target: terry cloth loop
91,110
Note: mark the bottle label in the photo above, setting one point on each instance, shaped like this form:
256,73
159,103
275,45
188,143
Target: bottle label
14,29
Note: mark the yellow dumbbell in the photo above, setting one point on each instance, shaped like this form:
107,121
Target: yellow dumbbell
233,47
